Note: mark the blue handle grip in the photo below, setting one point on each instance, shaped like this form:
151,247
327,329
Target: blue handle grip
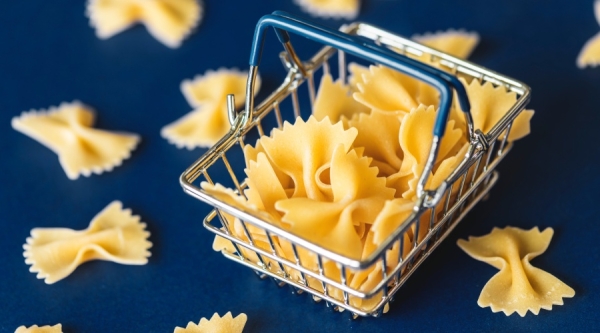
442,81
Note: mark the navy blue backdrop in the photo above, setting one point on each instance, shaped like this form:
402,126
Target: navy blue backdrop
49,54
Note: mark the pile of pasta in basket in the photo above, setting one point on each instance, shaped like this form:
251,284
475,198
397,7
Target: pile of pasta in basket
346,178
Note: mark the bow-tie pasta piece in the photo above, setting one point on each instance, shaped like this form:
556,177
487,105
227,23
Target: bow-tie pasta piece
214,86
590,53
259,237
346,9
518,287
378,134
489,104
356,74
338,223
114,235
43,329
334,101
266,186
209,122
169,21
216,324
416,136
391,216
303,152
67,131
385,89
458,43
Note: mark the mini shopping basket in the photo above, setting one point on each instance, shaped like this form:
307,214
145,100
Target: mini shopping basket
473,177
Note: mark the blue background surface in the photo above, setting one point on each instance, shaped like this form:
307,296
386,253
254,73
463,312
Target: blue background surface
49,54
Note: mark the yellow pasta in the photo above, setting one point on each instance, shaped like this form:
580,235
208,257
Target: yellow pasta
388,220
43,329
334,101
416,136
590,53
114,235
169,21
209,122
458,43
384,89
378,134
216,324
518,287
356,75
489,104
358,197
67,131
299,151
214,86
346,9
259,237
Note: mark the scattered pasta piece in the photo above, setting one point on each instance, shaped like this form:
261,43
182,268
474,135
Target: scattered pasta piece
334,100
458,43
489,104
44,329
67,131
209,122
346,9
169,21
590,53
114,235
518,286
216,324
214,86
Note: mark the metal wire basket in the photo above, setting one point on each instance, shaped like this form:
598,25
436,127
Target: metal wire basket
443,207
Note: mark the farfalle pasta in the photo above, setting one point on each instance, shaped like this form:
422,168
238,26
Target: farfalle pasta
303,151
378,135
216,324
415,140
337,185
489,104
384,89
169,21
458,43
67,131
114,235
209,122
259,237
518,287
40,329
336,223
590,53
346,9
335,101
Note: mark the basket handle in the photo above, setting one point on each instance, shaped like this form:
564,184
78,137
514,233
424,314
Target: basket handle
444,82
